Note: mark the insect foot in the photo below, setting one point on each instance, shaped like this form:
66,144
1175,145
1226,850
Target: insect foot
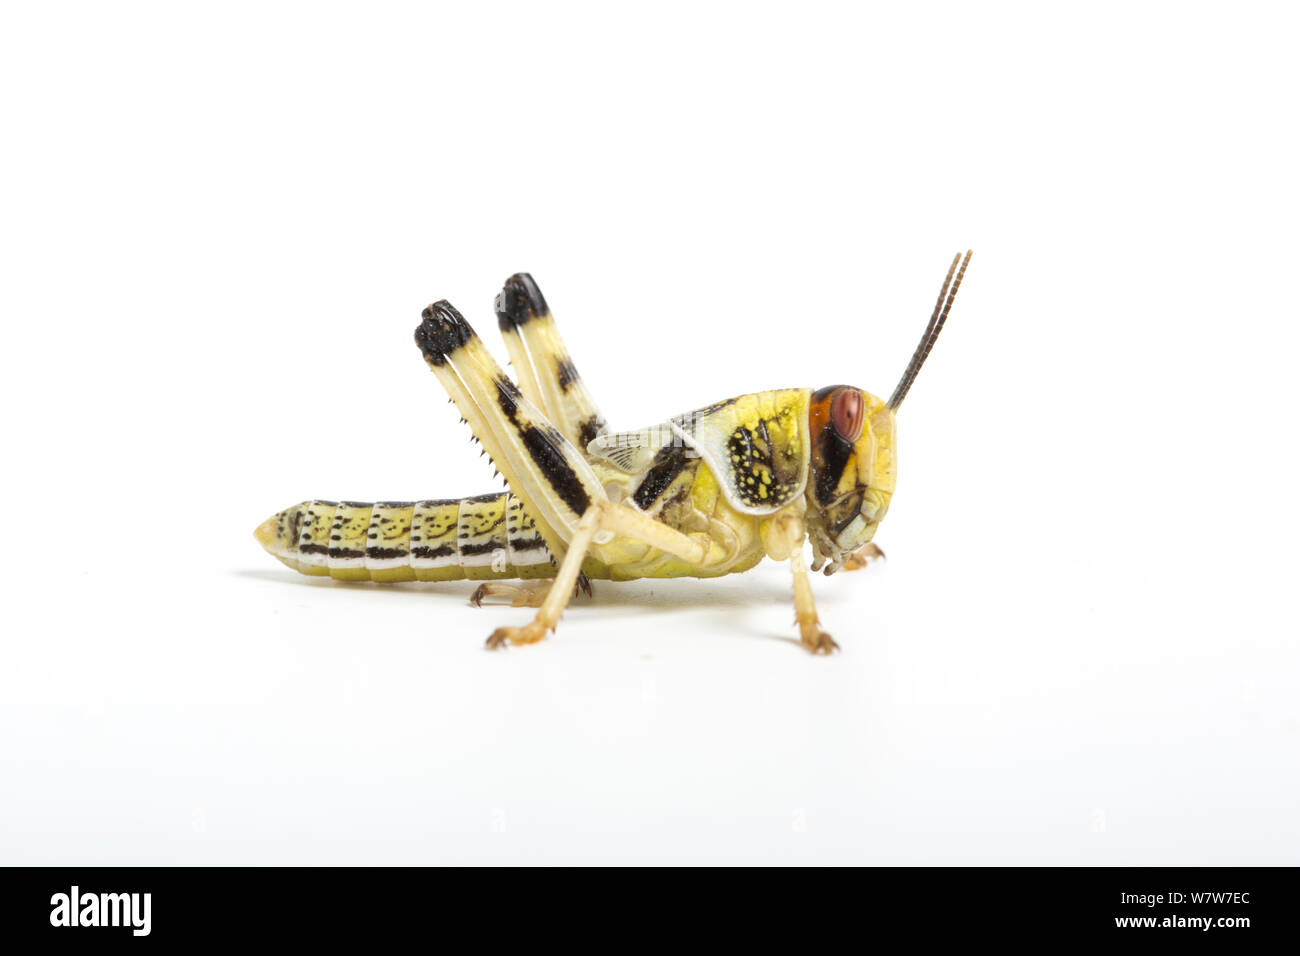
520,595
530,633
862,557
817,641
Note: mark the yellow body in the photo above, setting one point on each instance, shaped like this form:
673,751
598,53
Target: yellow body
704,494
743,514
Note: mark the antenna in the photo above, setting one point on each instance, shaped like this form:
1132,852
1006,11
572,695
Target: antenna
931,333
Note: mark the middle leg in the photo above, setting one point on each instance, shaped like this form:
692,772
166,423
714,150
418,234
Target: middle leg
602,522
811,635
523,595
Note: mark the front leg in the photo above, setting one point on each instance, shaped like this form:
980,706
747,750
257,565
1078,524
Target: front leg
813,638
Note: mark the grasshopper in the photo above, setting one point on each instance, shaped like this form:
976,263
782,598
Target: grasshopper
703,494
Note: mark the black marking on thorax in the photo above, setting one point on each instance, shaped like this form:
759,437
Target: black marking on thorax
764,474
686,421
667,465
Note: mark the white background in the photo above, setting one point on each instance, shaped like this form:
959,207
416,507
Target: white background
218,227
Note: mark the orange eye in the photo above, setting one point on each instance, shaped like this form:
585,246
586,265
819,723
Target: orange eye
848,412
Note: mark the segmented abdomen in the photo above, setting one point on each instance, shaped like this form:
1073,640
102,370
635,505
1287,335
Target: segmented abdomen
488,536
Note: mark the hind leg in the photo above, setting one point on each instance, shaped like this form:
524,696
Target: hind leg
544,469
545,370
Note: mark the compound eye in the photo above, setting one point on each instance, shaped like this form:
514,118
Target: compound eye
848,411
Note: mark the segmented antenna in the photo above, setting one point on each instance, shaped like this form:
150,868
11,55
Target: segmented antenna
931,333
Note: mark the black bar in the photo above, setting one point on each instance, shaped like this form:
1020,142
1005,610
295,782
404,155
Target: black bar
384,906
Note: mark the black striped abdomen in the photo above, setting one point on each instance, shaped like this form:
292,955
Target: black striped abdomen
487,536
